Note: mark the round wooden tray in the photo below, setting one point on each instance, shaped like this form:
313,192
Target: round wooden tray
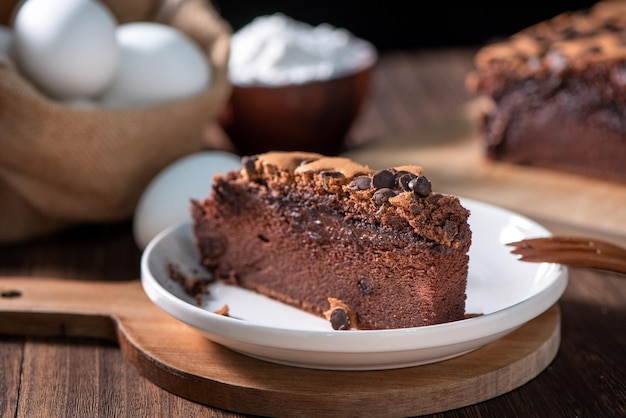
217,376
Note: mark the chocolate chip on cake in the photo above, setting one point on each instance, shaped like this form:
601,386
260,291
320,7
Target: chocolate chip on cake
249,164
383,179
331,174
341,317
360,183
382,195
420,185
403,180
365,287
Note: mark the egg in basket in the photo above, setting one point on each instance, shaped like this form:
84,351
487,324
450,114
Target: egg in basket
82,137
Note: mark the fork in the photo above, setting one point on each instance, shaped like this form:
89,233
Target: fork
572,251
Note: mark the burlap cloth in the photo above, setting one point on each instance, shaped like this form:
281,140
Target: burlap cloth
61,166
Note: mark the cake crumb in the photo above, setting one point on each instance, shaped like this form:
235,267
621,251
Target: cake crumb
224,310
195,286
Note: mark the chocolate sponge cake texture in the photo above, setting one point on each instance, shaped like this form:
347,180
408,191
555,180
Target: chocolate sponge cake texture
368,249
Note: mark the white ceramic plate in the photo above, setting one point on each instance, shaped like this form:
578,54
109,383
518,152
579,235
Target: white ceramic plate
508,293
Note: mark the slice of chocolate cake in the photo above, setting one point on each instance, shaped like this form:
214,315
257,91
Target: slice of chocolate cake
558,90
367,249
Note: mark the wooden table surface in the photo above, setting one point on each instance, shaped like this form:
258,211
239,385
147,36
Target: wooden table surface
57,376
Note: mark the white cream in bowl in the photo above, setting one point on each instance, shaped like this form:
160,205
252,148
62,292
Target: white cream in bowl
276,50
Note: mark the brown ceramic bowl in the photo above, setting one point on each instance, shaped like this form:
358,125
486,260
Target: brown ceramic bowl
314,117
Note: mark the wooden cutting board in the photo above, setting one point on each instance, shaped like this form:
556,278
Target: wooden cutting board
452,155
178,359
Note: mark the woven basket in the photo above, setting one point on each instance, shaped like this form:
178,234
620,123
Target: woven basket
61,166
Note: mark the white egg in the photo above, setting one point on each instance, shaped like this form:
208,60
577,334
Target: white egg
66,47
6,46
158,63
81,103
6,39
167,199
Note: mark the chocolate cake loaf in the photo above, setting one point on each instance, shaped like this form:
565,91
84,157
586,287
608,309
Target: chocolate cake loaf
367,249
559,93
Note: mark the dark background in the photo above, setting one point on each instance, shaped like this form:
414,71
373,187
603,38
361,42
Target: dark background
395,24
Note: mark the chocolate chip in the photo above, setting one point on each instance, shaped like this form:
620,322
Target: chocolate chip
383,195
421,186
360,183
249,164
331,174
383,179
404,179
365,287
340,319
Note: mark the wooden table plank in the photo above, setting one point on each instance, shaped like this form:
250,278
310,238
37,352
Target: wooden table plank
11,359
